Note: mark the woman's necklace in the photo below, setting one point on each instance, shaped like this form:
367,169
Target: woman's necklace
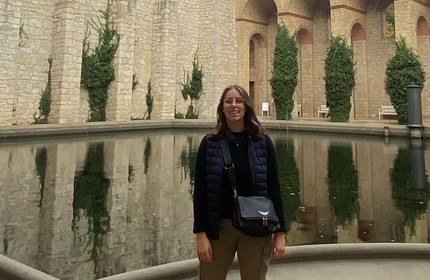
238,140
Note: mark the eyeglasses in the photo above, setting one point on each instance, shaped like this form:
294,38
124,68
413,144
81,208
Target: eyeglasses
237,100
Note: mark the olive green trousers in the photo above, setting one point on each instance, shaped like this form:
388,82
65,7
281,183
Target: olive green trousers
253,254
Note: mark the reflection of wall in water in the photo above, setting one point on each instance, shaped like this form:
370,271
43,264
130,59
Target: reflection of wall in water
377,213
150,214
19,197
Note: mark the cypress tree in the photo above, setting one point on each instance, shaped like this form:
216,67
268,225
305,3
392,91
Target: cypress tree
403,69
284,73
339,79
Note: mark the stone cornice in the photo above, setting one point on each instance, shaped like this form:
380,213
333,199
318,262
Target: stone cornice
425,4
295,15
252,21
348,8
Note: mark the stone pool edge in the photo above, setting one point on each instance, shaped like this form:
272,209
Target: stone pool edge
92,128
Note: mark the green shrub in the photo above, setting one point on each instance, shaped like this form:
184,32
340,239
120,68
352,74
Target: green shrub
284,73
403,69
45,98
339,79
98,70
193,87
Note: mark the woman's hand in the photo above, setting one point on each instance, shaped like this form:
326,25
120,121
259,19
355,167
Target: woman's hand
278,245
204,248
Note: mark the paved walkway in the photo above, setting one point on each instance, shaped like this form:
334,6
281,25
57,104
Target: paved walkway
358,261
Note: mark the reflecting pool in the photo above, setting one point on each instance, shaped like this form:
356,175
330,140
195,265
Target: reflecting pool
90,207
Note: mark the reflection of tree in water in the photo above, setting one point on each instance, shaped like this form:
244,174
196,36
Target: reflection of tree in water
41,163
289,178
146,155
342,183
188,162
90,193
413,203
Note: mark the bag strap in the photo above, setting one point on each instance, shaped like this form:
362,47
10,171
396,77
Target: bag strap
229,166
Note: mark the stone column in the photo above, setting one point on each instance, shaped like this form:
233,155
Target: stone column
67,58
10,15
118,107
165,46
405,22
360,97
340,21
219,53
56,213
116,167
306,87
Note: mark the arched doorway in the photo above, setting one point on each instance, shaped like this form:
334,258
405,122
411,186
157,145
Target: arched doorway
256,24
257,70
360,96
423,45
304,91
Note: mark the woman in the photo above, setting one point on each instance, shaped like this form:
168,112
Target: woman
217,240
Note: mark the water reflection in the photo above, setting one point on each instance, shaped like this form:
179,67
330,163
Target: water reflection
89,203
93,207
188,162
41,161
342,183
289,178
410,185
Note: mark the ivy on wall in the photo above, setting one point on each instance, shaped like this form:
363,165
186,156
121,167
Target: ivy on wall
149,100
45,98
98,69
284,73
192,88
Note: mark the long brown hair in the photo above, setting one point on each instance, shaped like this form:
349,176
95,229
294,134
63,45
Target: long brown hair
250,118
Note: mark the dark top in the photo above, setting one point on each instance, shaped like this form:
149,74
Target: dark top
239,155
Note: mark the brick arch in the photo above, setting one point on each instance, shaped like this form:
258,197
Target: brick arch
304,37
383,4
257,11
259,38
357,32
422,26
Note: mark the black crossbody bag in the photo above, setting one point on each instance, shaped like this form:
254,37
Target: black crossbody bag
252,215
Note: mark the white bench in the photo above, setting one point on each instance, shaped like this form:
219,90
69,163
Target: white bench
323,111
265,109
299,110
386,111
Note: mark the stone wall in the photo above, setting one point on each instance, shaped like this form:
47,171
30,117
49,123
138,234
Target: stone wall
160,38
